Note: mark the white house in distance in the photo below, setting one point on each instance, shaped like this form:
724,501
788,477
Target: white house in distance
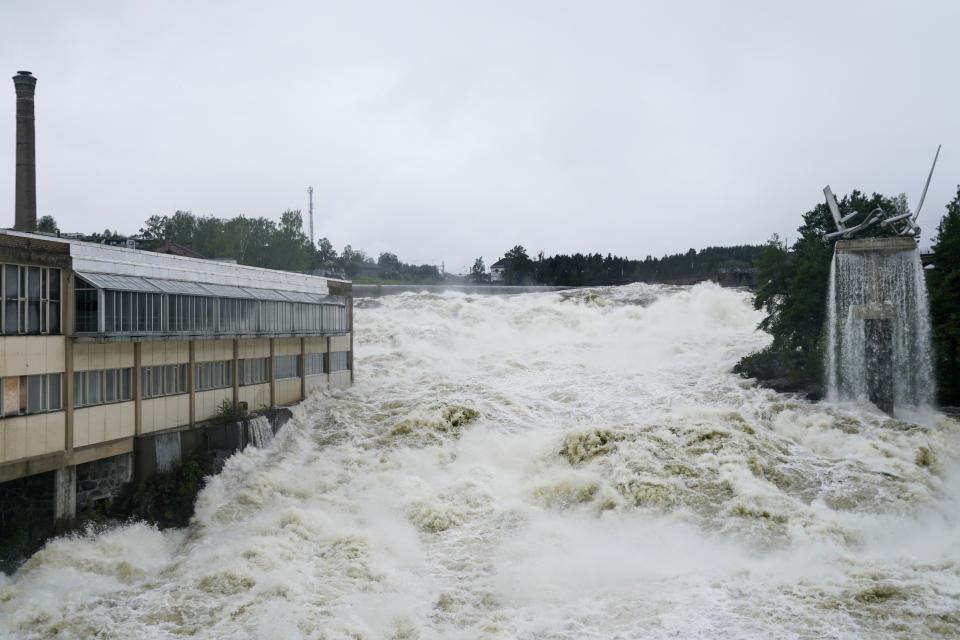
496,270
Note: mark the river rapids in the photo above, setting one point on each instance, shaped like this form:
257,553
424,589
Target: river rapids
541,466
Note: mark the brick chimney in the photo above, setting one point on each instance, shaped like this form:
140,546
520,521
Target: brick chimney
26,188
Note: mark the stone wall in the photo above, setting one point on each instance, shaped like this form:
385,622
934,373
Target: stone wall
103,479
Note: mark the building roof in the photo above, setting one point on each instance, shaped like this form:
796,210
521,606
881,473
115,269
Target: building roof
499,264
122,268
177,249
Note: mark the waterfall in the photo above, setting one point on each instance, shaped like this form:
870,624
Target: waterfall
878,334
259,432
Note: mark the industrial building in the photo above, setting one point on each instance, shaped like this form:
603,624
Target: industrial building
104,349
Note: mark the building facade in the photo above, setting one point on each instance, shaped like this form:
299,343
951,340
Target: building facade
101,346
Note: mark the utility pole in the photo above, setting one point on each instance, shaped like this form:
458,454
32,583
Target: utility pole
310,209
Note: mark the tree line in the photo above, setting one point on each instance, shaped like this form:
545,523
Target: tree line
260,242
595,269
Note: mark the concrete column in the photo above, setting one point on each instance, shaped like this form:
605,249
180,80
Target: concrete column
303,368
273,373
64,496
137,391
350,326
191,383
236,372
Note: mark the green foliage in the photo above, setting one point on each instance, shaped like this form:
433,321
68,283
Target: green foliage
793,291
47,224
518,267
944,288
478,272
229,410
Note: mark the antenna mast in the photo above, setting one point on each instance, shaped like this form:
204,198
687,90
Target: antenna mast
310,209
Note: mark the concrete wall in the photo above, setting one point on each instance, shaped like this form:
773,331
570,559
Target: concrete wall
316,345
166,412
286,347
31,355
213,350
157,353
104,422
92,357
207,402
288,391
32,435
255,348
340,343
255,395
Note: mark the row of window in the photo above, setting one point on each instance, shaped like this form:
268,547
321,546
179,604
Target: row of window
31,394
163,380
140,312
31,299
102,387
40,393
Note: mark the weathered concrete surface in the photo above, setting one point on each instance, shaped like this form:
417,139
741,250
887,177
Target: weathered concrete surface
880,245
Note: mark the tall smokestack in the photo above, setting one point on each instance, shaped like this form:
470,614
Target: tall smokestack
26,200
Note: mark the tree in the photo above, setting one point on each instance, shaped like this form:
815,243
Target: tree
518,267
479,271
47,224
944,285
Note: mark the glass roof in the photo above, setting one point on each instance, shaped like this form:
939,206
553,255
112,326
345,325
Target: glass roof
183,287
118,283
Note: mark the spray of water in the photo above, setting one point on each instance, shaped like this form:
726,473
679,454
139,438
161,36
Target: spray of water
865,285
573,465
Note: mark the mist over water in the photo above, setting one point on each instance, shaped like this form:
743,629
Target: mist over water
554,465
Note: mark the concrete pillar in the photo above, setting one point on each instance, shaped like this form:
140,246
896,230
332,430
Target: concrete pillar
64,495
303,368
236,372
878,361
273,373
191,382
137,391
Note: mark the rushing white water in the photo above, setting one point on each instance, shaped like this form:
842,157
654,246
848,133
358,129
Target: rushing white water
873,284
259,431
540,466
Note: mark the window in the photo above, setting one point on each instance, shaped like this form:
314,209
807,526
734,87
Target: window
339,360
102,387
31,394
286,367
163,380
214,375
31,299
313,364
254,371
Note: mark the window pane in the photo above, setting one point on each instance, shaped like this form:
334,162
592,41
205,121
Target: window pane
156,381
34,283
78,388
125,391
56,393
34,384
110,385
126,310
10,319
145,387
109,310
10,281
54,317
93,387
55,284
33,316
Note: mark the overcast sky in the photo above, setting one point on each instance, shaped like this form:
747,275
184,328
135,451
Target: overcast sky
443,131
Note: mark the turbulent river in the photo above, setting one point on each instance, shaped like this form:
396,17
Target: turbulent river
546,465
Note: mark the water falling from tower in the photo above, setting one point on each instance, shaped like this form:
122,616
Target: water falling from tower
879,325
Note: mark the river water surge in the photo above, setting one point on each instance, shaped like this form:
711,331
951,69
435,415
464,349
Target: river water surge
547,465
